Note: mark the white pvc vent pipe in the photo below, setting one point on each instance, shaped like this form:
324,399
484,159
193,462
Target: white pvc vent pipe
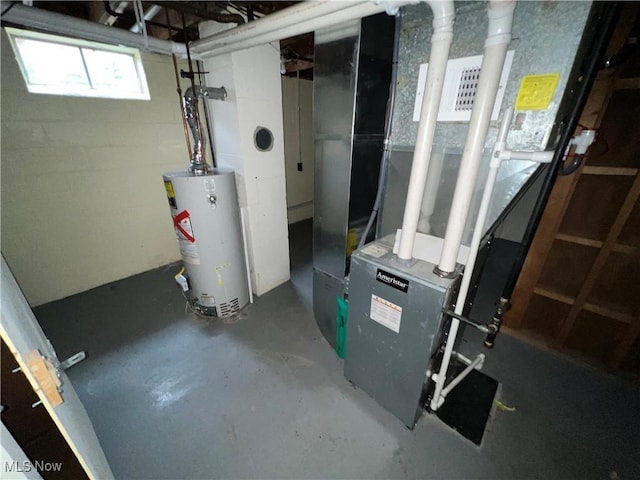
500,153
297,14
148,15
440,393
250,35
65,25
443,17
495,50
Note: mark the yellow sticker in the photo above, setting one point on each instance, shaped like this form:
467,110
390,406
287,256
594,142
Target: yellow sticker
168,186
171,195
536,91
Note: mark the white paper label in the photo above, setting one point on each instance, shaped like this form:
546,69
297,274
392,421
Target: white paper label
189,252
376,251
209,185
385,313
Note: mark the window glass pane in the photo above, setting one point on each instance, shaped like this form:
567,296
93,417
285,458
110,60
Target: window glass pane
113,71
67,66
51,63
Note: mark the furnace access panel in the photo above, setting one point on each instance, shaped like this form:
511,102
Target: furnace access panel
395,323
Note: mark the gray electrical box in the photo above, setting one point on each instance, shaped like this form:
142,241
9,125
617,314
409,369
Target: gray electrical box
395,325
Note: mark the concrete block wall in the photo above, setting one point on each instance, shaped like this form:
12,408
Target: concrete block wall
252,80
297,109
83,202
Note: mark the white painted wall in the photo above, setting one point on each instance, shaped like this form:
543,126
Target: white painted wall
252,80
297,110
83,202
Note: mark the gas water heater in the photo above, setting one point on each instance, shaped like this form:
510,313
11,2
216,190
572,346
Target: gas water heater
206,219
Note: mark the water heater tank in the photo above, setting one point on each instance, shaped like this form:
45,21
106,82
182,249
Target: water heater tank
206,219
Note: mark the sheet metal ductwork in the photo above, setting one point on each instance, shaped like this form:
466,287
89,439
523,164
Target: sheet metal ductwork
352,73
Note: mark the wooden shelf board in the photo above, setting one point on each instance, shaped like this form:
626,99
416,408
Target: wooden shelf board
621,248
548,293
587,242
590,242
609,313
627,83
601,170
601,310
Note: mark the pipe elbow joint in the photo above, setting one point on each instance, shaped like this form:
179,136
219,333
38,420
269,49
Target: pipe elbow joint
444,14
500,14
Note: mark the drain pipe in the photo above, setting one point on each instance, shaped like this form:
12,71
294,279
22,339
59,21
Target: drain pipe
601,26
501,153
495,50
443,17
440,378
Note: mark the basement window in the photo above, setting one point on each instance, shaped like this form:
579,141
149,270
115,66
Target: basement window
56,65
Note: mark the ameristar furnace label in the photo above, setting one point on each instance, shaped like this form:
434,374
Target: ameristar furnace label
392,280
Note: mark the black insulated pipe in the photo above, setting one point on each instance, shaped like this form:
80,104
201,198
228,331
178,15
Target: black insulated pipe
572,167
600,26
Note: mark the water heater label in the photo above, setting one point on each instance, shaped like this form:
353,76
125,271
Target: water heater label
385,313
182,222
189,252
392,280
209,185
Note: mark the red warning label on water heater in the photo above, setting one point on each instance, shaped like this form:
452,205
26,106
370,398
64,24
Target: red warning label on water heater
182,222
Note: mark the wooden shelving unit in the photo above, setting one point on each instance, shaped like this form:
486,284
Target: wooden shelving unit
579,289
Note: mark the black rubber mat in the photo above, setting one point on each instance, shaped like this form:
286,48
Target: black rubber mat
468,406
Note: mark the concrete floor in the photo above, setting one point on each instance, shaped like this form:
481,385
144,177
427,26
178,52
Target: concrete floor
173,396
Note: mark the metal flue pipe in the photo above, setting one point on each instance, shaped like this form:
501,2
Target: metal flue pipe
443,17
495,50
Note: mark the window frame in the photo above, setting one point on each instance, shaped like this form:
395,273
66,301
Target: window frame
75,90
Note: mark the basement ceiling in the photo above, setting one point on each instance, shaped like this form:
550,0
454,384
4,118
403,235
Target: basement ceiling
178,21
